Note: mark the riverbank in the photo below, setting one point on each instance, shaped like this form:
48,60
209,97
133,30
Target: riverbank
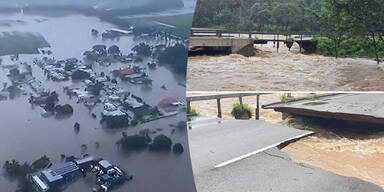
346,155
286,70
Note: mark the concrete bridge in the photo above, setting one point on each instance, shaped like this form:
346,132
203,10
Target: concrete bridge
243,46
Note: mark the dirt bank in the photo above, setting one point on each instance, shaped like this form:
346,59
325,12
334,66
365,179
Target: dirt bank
269,70
345,154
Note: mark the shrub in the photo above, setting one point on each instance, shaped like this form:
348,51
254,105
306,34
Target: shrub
192,111
289,43
239,109
161,142
283,98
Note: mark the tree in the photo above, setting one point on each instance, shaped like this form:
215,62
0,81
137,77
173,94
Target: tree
142,49
286,15
332,23
365,18
226,17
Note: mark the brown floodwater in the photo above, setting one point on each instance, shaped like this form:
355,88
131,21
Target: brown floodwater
272,71
348,154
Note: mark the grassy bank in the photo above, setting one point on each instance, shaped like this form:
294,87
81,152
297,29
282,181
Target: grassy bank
179,25
351,47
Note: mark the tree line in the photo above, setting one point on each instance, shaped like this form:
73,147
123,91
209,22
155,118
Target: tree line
359,23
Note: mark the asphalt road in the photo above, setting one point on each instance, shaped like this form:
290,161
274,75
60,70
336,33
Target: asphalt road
367,104
214,141
217,141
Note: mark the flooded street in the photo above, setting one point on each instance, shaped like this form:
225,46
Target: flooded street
26,136
271,71
348,154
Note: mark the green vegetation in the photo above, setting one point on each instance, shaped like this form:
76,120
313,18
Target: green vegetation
175,57
192,111
182,23
21,43
19,171
289,43
179,25
283,98
351,47
350,27
134,142
142,49
260,15
241,111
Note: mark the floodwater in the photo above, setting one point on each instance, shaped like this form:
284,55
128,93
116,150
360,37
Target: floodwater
26,136
347,153
272,71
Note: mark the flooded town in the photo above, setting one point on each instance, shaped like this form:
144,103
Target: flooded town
92,102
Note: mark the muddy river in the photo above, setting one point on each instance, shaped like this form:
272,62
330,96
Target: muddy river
26,136
347,153
272,71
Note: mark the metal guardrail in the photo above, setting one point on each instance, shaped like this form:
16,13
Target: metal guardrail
218,98
220,32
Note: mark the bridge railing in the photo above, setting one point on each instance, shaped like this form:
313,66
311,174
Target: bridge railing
220,32
219,97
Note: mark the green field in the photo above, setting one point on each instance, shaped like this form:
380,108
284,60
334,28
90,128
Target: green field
21,43
181,23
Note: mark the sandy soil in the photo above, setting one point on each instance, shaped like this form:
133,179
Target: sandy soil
272,71
355,157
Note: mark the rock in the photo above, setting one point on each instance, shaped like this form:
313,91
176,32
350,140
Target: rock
178,148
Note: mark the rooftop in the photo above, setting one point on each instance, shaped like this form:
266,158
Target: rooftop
56,173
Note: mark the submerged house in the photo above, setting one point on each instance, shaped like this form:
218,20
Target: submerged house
56,177
114,117
169,106
108,176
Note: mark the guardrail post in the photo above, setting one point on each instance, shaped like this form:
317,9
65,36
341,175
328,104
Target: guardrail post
188,106
218,108
241,100
301,42
278,43
257,114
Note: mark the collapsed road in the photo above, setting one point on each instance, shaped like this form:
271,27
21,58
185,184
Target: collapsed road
361,107
244,154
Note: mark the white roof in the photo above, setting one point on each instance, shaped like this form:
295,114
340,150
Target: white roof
133,102
120,30
39,182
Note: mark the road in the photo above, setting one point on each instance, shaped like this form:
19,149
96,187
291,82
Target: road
364,107
216,142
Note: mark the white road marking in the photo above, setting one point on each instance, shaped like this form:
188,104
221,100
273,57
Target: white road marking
260,150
